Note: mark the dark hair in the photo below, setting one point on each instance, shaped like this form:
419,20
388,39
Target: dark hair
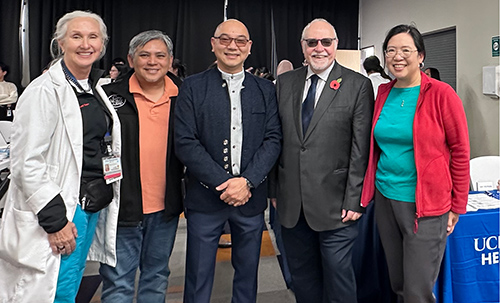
4,67
412,31
263,72
123,70
181,68
372,64
434,73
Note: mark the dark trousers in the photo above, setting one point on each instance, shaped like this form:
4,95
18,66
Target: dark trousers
320,263
413,259
204,230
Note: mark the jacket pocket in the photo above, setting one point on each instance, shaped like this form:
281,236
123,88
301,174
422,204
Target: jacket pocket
436,185
23,242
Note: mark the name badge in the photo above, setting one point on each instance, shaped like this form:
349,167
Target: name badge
112,169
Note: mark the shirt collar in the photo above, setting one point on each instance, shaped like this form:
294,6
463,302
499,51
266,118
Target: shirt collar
170,90
233,77
323,75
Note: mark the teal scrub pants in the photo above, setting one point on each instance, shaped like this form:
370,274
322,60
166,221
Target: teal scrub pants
72,266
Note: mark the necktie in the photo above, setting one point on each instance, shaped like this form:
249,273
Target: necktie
308,105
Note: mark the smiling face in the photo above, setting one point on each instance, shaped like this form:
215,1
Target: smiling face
406,70
82,46
230,58
151,62
319,58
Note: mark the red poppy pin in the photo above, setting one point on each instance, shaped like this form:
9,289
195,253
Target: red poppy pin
335,84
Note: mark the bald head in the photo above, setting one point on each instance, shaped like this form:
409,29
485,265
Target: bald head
232,25
283,67
231,45
319,22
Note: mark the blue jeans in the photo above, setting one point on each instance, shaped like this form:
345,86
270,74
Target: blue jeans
72,266
148,247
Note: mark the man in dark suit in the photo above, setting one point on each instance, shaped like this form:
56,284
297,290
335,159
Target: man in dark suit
326,111
227,134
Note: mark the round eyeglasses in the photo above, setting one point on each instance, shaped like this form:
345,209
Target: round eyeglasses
226,40
404,52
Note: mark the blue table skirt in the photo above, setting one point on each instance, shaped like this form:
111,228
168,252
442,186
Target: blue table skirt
470,268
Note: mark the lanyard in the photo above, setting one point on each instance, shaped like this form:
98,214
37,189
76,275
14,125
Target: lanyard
72,79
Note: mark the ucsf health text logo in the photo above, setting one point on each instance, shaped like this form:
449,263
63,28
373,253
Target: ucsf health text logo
488,246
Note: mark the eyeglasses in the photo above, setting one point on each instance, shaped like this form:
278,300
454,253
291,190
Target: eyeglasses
326,42
226,40
404,52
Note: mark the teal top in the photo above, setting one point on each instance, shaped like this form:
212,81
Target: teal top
396,176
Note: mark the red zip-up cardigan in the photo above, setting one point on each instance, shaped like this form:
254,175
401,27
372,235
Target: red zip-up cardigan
441,146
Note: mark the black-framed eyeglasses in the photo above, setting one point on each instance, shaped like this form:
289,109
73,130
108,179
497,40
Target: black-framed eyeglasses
226,40
326,42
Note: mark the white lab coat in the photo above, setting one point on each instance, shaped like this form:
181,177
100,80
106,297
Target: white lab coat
46,160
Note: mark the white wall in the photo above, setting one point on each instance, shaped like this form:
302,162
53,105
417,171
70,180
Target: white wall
476,22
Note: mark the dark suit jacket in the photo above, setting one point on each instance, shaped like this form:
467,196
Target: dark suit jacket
322,172
131,190
202,138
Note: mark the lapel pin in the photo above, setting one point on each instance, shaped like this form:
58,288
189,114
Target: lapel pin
335,84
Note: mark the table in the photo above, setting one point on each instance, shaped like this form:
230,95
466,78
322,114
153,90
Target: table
4,163
470,268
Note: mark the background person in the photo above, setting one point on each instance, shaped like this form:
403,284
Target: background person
151,197
375,73
61,123
8,94
418,170
178,69
118,71
227,134
433,73
283,67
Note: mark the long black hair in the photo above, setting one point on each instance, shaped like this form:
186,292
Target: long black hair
372,64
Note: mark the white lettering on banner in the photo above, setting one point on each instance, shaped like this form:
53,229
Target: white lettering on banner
490,258
488,244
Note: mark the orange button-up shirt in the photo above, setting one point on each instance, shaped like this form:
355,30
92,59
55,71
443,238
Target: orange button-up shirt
153,138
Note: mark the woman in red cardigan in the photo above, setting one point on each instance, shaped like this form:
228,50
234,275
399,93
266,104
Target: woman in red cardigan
418,170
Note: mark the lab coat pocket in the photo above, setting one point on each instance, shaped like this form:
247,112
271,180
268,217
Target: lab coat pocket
23,242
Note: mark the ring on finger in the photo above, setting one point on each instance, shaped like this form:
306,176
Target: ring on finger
61,247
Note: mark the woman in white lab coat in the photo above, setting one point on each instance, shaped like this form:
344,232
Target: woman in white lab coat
63,129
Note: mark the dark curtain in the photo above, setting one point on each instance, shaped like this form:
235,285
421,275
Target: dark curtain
10,11
256,15
43,16
290,17
189,23
196,24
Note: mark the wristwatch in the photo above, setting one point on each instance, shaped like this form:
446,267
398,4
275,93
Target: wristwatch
249,184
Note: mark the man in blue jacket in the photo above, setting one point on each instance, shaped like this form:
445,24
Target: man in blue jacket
227,134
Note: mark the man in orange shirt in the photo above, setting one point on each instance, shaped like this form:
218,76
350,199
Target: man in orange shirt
151,198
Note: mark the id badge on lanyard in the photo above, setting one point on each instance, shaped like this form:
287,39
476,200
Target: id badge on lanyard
111,165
